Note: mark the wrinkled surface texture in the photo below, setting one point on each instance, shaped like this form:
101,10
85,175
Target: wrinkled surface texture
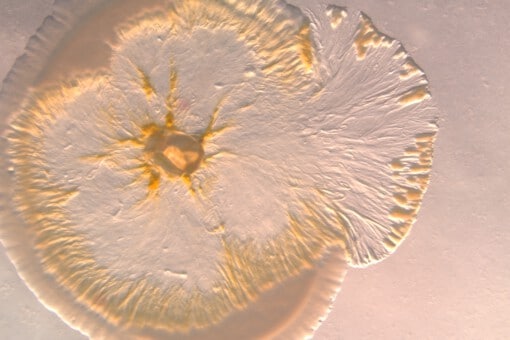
194,157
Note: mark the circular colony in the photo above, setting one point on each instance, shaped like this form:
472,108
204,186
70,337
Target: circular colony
208,167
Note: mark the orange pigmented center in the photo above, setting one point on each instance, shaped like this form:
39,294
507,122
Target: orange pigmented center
176,153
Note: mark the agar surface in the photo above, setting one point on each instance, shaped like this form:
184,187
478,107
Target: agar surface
226,148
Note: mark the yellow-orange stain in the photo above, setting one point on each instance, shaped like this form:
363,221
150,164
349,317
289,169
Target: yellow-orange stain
367,37
171,98
413,194
305,46
409,69
186,179
219,229
396,164
147,86
210,131
401,214
154,181
412,151
414,95
400,199
336,15
414,167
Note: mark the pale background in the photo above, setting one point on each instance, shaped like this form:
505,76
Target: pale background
451,278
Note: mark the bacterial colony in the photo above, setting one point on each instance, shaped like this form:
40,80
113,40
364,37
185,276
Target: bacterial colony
208,169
